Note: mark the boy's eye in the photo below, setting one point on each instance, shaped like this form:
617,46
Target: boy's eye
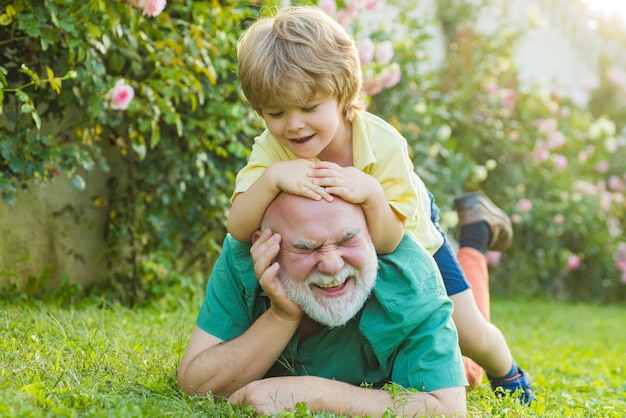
309,108
275,114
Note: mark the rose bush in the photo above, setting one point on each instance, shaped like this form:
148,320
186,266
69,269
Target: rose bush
156,81
554,166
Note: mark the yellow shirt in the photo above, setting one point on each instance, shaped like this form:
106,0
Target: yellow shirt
380,151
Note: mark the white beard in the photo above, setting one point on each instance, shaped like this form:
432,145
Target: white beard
333,311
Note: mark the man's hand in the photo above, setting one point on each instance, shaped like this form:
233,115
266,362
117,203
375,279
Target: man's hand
274,395
264,252
294,177
348,183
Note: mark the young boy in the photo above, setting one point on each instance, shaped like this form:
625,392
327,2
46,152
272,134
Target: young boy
300,72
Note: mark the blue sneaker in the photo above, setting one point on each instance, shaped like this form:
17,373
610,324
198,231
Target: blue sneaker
520,383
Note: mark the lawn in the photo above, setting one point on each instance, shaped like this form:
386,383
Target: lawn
90,361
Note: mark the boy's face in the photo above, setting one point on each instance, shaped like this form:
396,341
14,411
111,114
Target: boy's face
306,130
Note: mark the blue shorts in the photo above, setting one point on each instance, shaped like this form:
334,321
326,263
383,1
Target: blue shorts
453,277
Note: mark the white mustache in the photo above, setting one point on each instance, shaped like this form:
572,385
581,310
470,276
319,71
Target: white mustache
328,280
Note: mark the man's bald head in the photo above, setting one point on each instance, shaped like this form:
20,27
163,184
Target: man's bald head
292,210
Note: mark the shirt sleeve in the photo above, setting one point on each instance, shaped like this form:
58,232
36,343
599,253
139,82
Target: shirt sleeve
265,151
227,310
386,157
395,172
409,323
439,364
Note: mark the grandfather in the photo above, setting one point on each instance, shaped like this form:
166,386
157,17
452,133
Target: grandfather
326,322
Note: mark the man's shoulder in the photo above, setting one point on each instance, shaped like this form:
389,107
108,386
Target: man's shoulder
236,254
411,266
235,248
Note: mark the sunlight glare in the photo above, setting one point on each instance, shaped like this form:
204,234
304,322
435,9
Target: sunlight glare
607,7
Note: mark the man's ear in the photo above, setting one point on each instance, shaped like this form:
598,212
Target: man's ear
256,235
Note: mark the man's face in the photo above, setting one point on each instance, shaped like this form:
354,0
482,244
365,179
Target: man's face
327,261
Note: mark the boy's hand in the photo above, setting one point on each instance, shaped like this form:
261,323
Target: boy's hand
264,251
348,183
294,177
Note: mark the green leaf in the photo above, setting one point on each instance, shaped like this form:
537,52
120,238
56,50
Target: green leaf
155,137
9,198
36,119
140,149
78,182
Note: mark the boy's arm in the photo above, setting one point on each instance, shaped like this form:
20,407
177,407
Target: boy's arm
248,207
386,226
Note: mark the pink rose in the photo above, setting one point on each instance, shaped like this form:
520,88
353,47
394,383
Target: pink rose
603,166
606,198
152,8
556,140
493,257
617,77
371,4
524,205
366,51
616,184
509,99
121,95
573,262
547,125
391,76
347,15
384,52
560,162
559,219
328,6
541,154
373,87
492,89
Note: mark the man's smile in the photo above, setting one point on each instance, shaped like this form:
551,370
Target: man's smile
334,288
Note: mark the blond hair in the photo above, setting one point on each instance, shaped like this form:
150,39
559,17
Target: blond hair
296,55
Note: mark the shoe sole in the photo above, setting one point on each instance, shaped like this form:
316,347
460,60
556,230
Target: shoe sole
470,200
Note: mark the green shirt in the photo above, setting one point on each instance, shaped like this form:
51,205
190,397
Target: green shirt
404,334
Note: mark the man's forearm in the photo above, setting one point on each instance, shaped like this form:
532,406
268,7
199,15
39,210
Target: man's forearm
225,367
274,395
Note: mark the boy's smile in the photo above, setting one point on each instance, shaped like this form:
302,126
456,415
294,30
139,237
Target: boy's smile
306,130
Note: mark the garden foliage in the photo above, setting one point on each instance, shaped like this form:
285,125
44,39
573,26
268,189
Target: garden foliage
159,88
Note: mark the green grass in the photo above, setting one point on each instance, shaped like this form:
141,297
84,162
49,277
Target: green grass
119,362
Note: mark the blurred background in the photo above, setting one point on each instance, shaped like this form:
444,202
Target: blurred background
122,127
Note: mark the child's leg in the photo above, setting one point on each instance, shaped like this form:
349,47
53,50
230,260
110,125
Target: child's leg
478,339
485,226
455,280
474,266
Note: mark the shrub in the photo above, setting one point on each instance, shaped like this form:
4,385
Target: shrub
78,77
161,89
554,166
